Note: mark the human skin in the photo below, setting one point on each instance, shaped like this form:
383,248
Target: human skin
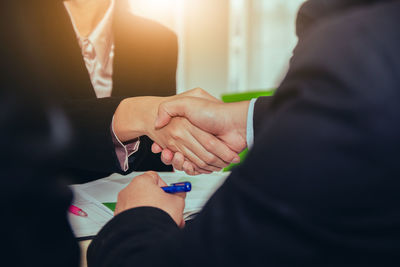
227,122
87,13
145,191
136,116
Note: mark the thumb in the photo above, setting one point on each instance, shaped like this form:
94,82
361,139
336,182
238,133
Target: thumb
155,148
152,176
169,109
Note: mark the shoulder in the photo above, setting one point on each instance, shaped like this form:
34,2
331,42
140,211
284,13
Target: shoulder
367,30
361,18
146,27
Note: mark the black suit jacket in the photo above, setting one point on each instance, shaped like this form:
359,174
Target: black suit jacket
144,65
320,187
41,65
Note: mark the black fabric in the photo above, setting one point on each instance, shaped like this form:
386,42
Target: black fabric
145,63
313,11
320,187
34,228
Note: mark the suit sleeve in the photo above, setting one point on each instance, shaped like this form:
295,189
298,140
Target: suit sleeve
94,150
310,192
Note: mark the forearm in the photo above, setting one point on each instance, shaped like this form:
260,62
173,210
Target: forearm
135,117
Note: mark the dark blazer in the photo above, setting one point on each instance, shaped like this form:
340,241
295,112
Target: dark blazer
321,185
40,66
144,64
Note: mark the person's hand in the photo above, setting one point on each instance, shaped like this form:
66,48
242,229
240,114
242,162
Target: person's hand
226,121
135,117
203,149
145,191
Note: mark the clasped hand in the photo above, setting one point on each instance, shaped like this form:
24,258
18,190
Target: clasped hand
197,142
194,131
226,122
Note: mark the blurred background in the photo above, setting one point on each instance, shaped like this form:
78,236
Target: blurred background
228,46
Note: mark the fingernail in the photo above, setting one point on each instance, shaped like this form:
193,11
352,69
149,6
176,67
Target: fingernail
236,160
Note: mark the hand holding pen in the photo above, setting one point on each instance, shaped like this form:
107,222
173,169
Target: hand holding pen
175,188
144,192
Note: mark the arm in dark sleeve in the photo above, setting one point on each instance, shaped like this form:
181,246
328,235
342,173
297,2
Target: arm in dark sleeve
34,226
321,184
149,226
94,150
91,121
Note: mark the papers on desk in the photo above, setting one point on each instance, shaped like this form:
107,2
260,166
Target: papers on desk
91,196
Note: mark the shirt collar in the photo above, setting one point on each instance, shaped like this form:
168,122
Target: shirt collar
101,37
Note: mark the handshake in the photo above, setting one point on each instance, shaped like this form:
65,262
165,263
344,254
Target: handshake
193,131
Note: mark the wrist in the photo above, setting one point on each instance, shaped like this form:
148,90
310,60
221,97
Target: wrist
135,116
238,111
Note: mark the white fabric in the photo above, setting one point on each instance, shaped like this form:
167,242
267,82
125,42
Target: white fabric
250,128
98,52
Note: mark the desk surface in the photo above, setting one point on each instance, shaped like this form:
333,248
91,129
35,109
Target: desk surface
84,246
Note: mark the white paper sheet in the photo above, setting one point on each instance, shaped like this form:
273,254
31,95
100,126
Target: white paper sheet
90,196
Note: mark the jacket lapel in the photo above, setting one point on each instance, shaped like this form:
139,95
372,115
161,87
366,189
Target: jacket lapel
145,56
64,53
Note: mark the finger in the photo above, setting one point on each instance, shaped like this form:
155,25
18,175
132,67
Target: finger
191,169
200,93
219,154
167,156
174,108
195,152
151,175
181,195
155,148
196,157
188,168
178,161
198,171
162,183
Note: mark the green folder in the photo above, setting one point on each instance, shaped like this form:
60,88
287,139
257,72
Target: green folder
110,205
229,98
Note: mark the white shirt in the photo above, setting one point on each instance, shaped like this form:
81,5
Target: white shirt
98,52
250,127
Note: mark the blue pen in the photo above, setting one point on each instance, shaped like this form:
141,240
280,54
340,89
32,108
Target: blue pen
178,188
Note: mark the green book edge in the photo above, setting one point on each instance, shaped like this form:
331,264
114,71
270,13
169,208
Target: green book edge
110,205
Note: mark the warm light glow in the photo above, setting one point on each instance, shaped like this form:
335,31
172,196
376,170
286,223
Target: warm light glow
163,11
155,5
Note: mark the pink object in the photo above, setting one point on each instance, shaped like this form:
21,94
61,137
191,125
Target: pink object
77,211
98,52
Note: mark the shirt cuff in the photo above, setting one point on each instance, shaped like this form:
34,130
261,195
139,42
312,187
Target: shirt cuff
250,128
124,150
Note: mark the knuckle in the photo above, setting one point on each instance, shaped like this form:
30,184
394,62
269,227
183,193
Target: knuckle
202,165
210,144
151,173
228,158
198,91
175,132
211,159
171,143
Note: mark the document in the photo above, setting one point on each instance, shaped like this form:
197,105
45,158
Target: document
97,215
94,196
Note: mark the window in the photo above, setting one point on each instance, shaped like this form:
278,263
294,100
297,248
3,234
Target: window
228,45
